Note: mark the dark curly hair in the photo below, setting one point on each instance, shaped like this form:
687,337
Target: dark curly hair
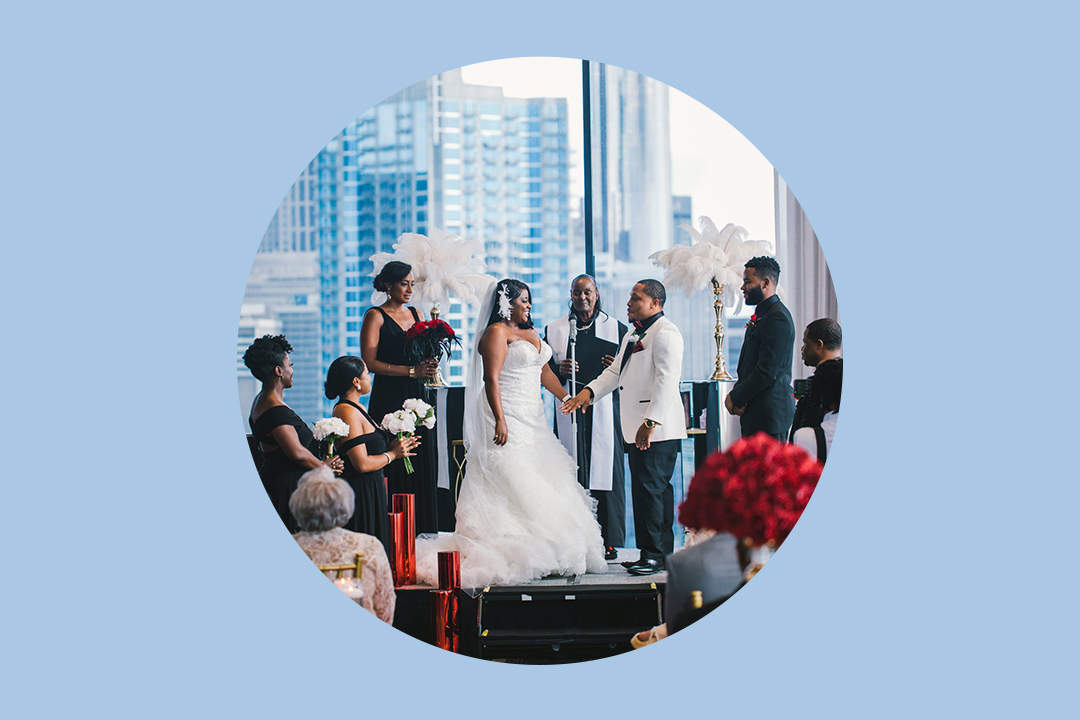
265,354
513,289
340,375
765,267
392,272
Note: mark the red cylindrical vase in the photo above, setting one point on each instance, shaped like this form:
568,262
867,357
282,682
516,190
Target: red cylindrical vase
449,571
405,503
397,548
444,619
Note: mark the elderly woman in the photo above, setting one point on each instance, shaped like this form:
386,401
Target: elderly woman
322,504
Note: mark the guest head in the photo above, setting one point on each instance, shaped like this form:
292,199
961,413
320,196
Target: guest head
760,278
513,303
825,386
585,298
268,360
821,341
396,280
647,298
347,374
756,489
321,501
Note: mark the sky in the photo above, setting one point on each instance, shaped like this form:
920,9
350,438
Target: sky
728,179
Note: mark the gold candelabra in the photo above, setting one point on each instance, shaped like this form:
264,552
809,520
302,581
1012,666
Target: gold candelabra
437,381
720,370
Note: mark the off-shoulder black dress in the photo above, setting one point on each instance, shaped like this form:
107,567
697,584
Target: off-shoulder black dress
388,393
370,516
279,474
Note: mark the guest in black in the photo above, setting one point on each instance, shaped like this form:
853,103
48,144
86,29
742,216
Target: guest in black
762,395
821,344
382,347
600,457
367,450
285,440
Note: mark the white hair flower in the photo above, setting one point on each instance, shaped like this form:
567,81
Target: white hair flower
504,303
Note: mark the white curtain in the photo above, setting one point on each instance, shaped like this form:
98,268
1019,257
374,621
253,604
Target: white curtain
804,274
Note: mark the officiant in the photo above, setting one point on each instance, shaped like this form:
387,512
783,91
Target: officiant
599,437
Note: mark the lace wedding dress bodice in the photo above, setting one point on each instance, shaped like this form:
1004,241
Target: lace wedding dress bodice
521,514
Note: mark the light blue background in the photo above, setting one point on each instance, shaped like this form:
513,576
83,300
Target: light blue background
145,151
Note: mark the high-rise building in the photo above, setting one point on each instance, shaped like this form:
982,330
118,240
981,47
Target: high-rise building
256,320
682,207
449,154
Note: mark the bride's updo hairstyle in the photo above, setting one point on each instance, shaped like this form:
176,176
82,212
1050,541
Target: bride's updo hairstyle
392,272
340,375
513,288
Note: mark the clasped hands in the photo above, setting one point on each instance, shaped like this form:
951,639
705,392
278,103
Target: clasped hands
731,407
582,400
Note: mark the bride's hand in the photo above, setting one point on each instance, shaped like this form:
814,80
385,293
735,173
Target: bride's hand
501,433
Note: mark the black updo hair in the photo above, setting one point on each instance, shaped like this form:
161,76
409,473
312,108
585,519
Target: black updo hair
340,375
265,354
513,289
392,272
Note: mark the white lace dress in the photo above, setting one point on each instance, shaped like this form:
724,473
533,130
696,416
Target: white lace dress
521,514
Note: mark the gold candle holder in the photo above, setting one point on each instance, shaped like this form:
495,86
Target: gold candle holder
437,381
720,370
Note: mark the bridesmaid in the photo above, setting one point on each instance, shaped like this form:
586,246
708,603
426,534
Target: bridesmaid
284,438
367,450
382,347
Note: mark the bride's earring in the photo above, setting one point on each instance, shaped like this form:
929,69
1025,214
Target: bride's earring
504,304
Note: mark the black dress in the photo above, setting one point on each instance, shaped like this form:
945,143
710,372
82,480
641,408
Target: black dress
370,516
279,474
388,393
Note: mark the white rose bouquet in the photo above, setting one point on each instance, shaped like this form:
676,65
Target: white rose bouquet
331,429
405,421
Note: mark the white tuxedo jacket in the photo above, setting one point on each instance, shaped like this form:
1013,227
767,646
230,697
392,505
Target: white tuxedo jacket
649,383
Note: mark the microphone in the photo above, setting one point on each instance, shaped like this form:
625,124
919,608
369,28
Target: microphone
573,328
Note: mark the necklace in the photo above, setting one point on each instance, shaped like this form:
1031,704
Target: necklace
586,327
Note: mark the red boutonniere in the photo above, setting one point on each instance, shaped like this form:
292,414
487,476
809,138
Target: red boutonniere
753,322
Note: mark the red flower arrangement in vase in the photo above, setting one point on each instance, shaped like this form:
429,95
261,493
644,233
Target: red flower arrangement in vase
756,490
429,340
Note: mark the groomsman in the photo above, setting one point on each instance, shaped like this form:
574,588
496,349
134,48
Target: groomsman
821,344
647,373
762,395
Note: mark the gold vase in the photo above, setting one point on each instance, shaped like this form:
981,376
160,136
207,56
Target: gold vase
437,381
720,370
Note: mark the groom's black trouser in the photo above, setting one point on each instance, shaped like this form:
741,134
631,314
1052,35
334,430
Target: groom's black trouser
653,497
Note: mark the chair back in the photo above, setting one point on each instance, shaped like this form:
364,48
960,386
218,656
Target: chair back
357,567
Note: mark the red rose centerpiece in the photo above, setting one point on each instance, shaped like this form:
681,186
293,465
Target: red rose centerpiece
430,340
756,491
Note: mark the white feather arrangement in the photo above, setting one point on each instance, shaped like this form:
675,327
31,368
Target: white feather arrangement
443,265
713,253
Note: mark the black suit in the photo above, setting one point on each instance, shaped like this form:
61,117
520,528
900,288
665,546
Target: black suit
764,385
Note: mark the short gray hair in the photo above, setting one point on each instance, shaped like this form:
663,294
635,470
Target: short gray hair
321,501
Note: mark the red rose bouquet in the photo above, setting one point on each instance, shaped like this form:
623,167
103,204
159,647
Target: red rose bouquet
756,490
429,340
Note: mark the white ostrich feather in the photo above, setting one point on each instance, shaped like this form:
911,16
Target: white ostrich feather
713,253
443,265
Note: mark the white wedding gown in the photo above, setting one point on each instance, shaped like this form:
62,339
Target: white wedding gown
521,514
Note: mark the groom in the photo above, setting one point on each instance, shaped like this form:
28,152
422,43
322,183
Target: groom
647,374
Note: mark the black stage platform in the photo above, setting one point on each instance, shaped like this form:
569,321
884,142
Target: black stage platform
553,620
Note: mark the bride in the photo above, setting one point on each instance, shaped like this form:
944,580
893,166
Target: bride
521,514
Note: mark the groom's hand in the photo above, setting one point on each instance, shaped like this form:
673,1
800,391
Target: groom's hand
581,400
643,435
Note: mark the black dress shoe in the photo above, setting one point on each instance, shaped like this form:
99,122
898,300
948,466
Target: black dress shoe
610,553
632,563
649,567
